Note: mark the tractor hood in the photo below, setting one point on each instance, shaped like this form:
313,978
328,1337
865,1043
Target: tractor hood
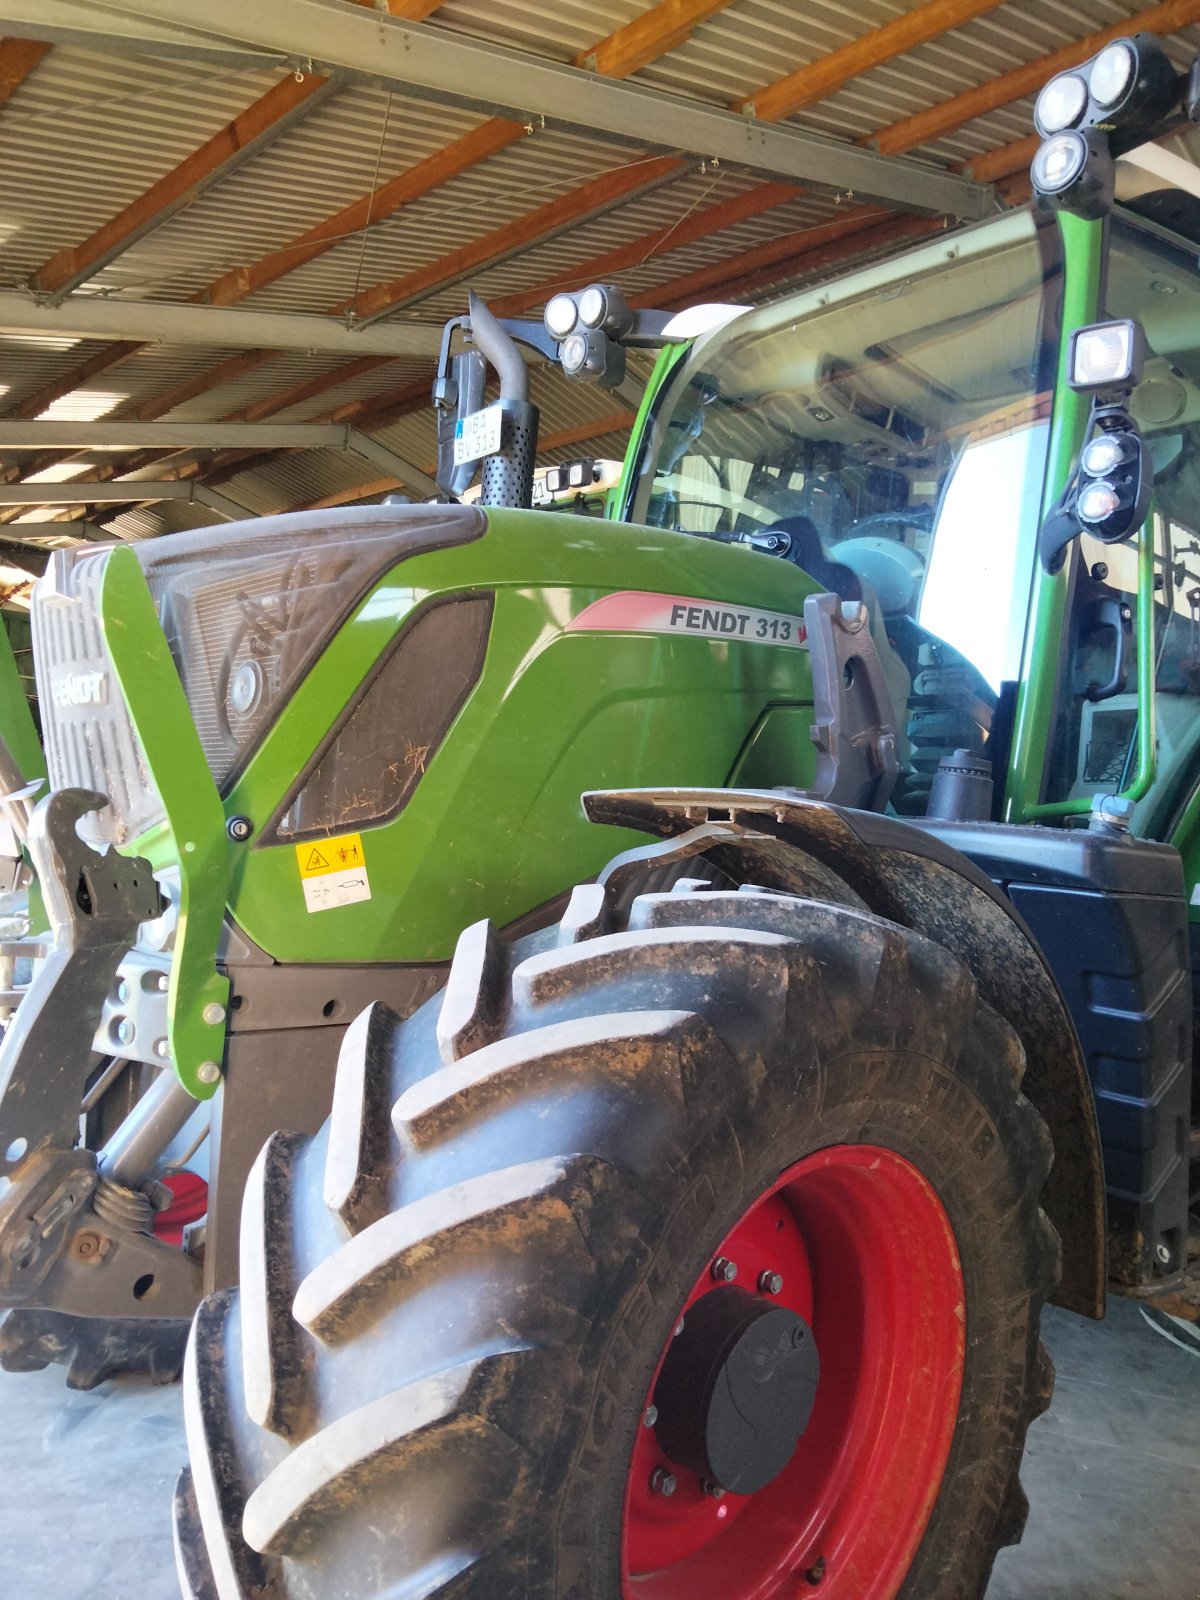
245,608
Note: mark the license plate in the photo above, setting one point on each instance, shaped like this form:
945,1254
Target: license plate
478,435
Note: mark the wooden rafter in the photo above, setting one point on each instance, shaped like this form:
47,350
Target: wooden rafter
656,32
742,274
245,136
227,371
772,103
589,200
280,105
33,405
828,73
488,139
565,439
699,225
619,52
698,285
257,410
887,234
1005,161
923,127
18,58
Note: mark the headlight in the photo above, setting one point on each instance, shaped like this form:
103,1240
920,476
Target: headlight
1112,73
593,306
245,688
1102,455
1061,103
1059,162
1097,502
560,315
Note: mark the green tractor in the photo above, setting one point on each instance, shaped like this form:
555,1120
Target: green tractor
683,1226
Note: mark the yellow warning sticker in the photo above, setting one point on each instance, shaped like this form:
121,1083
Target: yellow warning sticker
331,855
333,872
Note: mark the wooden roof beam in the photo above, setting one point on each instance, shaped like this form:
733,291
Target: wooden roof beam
655,33
219,156
589,200
18,58
696,286
787,94
239,141
891,232
828,73
699,225
1006,161
617,52
924,127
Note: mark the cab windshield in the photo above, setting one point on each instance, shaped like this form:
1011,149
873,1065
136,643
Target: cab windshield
888,434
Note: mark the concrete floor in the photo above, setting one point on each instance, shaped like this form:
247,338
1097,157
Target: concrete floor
1112,1473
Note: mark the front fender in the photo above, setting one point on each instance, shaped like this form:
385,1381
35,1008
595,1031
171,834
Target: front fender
915,879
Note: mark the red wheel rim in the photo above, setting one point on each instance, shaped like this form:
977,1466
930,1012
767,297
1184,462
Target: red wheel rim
869,1260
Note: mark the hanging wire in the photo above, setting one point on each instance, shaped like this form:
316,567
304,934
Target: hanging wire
366,227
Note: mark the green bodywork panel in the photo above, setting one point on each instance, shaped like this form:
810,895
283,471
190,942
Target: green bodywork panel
195,837
495,826
1083,250
554,713
16,719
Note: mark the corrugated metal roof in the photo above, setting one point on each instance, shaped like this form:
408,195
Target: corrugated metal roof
88,132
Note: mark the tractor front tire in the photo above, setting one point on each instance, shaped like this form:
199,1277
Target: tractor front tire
690,1250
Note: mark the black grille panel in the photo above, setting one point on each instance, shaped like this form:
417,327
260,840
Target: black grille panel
89,738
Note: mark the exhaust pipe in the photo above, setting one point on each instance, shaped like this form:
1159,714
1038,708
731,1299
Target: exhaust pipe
507,476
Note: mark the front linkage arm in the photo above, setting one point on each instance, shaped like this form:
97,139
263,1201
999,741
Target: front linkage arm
72,1237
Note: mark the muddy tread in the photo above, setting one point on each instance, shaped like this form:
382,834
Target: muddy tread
359,1118
587,915
516,1209
273,1360
534,1063
218,1495
538,1147
192,1568
397,1430
469,1015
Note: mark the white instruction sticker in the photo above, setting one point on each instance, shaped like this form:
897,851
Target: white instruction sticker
478,435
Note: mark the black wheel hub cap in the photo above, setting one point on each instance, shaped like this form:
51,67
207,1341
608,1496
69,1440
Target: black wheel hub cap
736,1389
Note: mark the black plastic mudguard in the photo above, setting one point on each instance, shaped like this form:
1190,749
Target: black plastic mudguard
915,878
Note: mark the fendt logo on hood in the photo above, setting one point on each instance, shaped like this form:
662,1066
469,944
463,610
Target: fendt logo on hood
80,689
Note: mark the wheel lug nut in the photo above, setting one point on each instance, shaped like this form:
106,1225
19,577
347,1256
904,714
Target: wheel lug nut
650,1416
663,1482
770,1282
713,1490
724,1270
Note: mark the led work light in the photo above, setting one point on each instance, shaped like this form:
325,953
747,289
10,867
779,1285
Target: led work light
1127,93
571,475
1061,104
1107,356
561,315
1111,73
1073,171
